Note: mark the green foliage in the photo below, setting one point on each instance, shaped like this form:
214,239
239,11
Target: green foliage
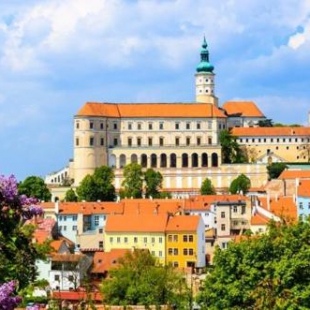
133,181
231,151
207,188
34,186
98,186
241,184
265,123
71,195
275,169
270,271
139,280
153,182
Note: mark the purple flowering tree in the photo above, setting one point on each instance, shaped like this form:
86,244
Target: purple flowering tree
17,251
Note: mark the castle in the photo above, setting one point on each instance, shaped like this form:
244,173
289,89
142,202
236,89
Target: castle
181,140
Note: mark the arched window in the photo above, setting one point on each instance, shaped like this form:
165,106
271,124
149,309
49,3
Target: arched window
214,159
153,161
143,161
184,160
194,160
134,158
173,160
163,160
122,161
204,160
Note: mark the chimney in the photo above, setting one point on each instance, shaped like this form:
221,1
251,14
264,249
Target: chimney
57,207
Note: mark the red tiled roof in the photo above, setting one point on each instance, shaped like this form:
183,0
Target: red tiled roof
150,110
294,174
259,219
270,131
88,208
183,223
244,108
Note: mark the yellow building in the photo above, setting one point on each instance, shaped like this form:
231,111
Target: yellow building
185,242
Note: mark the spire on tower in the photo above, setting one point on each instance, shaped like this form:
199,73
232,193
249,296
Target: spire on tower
204,65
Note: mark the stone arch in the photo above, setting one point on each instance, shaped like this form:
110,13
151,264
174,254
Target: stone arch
204,160
214,160
143,160
163,160
173,160
194,160
153,161
122,161
184,160
134,158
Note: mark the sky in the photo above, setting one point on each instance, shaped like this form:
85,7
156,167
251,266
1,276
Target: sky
55,55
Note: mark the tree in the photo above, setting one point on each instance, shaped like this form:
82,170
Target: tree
241,184
231,151
275,169
265,123
17,251
207,188
153,180
98,186
34,186
71,196
133,180
269,271
138,279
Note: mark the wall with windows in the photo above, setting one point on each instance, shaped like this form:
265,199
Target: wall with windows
303,206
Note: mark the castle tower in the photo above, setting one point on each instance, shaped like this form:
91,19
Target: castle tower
204,78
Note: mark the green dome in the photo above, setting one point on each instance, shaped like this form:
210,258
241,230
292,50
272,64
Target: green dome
204,65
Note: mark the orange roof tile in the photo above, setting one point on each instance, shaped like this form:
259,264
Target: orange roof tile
283,207
244,108
56,244
304,188
104,261
259,219
183,223
136,223
150,110
270,131
294,174
90,208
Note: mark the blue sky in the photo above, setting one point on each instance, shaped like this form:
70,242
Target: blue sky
57,54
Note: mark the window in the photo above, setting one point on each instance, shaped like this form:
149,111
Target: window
222,214
243,210
74,217
118,239
135,239
139,126
129,141
91,141
161,125
129,126
101,125
114,126
161,141
153,239
308,205
139,141
223,227
115,142
175,264
111,239
198,125
185,239
175,252
150,140
77,125
101,244
77,141
145,239
91,125
175,238
56,277
301,207
177,125
235,209
198,142
190,238
209,125
125,239
74,227
150,126
101,141
209,140
70,278
65,228
100,230
190,252
188,140
65,218
177,141
170,251
160,239
160,253
185,252
188,125
96,220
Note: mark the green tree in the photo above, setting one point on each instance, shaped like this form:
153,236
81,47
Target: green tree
71,196
138,279
240,184
265,123
231,150
133,180
275,169
207,188
34,186
98,186
153,183
271,271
